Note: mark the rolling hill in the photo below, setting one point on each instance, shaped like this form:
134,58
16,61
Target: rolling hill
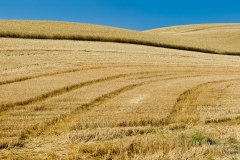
222,38
218,39
68,91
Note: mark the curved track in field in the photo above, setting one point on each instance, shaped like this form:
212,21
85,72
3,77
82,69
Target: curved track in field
110,94
64,90
59,72
185,109
142,78
67,90
100,100
187,98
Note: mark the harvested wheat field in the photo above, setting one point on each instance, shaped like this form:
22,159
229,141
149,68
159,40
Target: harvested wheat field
65,98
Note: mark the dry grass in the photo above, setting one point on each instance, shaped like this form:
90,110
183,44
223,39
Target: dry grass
223,38
97,100
210,43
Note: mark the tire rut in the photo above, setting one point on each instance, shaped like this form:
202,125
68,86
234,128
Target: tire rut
58,73
64,119
183,110
56,122
38,127
66,89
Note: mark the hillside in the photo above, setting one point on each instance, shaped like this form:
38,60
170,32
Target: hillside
224,43
65,98
222,38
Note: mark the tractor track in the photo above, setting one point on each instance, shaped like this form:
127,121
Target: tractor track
64,119
184,104
38,128
66,89
62,72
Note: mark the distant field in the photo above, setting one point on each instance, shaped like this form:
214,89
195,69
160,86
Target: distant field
223,38
218,39
66,99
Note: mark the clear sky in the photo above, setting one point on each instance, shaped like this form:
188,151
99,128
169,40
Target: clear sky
130,14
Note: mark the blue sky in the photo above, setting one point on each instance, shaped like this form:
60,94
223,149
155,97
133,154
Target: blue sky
130,14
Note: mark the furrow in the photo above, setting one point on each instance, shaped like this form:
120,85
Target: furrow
222,120
43,75
184,110
63,90
58,122
40,121
56,73
137,108
65,119
226,110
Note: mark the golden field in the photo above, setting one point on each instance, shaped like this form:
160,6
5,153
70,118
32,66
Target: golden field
69,99
214,38
223,38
